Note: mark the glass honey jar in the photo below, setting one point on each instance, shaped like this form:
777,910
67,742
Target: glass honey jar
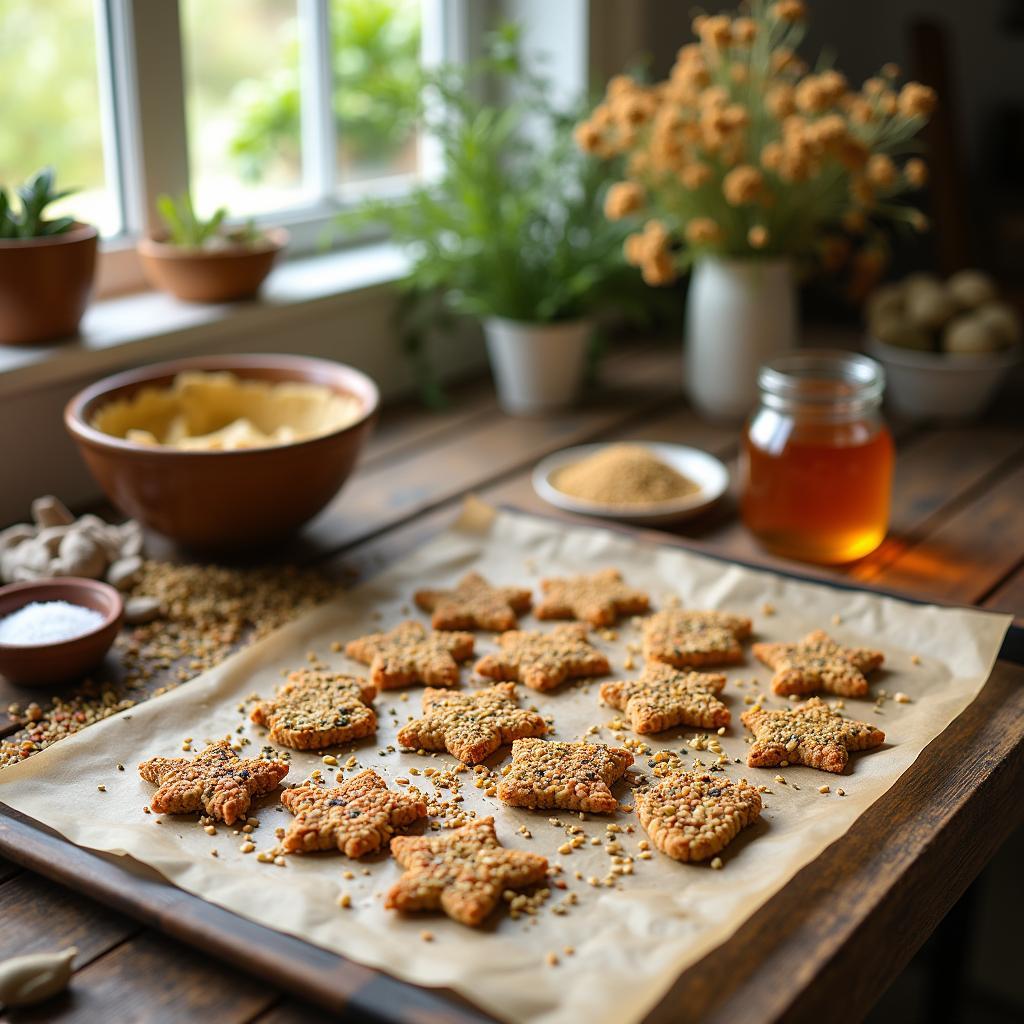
817,457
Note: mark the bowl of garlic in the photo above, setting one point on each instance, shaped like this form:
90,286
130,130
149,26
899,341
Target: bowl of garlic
946,345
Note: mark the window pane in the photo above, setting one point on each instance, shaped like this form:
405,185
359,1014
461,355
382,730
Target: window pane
49,89
242,104
376,54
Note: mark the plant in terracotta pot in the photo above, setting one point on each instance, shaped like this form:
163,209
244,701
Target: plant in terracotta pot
511,233
204,260
747,165
46,265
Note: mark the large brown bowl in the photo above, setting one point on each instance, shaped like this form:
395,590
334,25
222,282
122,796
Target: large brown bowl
223,500
211,275
51,664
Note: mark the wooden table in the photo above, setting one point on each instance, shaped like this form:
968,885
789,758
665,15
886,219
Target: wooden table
850,921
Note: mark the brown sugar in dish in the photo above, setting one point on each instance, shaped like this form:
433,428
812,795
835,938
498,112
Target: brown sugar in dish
623,474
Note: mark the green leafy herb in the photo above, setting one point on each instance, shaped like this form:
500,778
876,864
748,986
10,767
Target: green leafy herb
184,228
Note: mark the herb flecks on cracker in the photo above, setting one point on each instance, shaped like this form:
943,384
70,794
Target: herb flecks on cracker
475,604
544,660
689,639
573,776
664,697
818,663
317,709
811,734
471,726
356,817
464,873
408,654
217,781
600,598
691,816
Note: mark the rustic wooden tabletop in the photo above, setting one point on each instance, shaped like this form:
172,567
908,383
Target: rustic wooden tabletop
957,535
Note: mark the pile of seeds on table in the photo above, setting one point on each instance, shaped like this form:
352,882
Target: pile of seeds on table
206,613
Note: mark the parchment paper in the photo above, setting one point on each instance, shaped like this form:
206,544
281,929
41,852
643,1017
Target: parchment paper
629,942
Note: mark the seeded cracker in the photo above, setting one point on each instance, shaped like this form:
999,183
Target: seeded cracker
357,817
818,663
471,725
574,776
408,654
600,598
318,709
475,604
691,639
811,734
218,782
692,816
463,873
663,697
544,660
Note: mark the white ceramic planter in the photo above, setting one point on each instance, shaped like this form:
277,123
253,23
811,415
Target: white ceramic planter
537,367
739,315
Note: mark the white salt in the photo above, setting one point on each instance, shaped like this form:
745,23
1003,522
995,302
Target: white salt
48,622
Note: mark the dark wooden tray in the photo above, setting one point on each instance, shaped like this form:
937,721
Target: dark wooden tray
832,928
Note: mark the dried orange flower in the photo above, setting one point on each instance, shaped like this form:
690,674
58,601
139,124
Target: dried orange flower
789,10
744,31
916,100
587,137
757,236
881,170
916,172
742,185
623,198
703,230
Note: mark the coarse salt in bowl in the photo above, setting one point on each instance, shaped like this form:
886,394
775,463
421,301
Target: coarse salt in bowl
36,648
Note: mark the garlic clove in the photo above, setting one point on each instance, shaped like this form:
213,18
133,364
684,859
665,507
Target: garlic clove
50,511
25,980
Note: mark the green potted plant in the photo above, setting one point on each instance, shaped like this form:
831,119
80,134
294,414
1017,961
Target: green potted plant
46,265
512,231
203,260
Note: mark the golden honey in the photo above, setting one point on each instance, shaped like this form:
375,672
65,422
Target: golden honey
817,458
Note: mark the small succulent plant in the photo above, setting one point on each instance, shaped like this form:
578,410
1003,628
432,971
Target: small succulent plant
186,229
35,194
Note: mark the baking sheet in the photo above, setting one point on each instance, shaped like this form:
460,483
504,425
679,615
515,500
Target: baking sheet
629,942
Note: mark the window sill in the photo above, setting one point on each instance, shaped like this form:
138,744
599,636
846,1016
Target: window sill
151,325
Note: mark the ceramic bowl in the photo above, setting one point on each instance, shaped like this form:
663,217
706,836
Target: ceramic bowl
703,469
939,385
51,664
222,500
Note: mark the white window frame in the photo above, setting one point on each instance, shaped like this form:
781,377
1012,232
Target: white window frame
145,133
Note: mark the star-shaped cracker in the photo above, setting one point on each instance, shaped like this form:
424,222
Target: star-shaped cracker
318,709
357,817
475,604
600,598
471,725
408,654
464,872
217,781
818,663
692,815
811,734
575,776
544,660
690,639
663,697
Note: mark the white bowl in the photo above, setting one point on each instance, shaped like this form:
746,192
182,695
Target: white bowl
940,385
709,473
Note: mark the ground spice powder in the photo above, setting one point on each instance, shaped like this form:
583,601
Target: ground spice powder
623,474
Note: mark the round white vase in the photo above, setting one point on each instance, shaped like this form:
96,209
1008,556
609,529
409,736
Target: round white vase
739,315
537,367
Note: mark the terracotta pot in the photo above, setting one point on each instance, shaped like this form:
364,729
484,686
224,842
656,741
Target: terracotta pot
45,285
222,500
214,275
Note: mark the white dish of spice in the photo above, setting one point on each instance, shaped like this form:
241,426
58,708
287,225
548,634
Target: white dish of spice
646,483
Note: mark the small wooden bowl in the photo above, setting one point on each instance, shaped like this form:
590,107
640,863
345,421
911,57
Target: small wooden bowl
48,664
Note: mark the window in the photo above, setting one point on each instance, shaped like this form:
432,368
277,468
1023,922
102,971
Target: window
282,110
51,56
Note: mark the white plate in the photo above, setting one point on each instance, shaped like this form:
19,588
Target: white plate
705,470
